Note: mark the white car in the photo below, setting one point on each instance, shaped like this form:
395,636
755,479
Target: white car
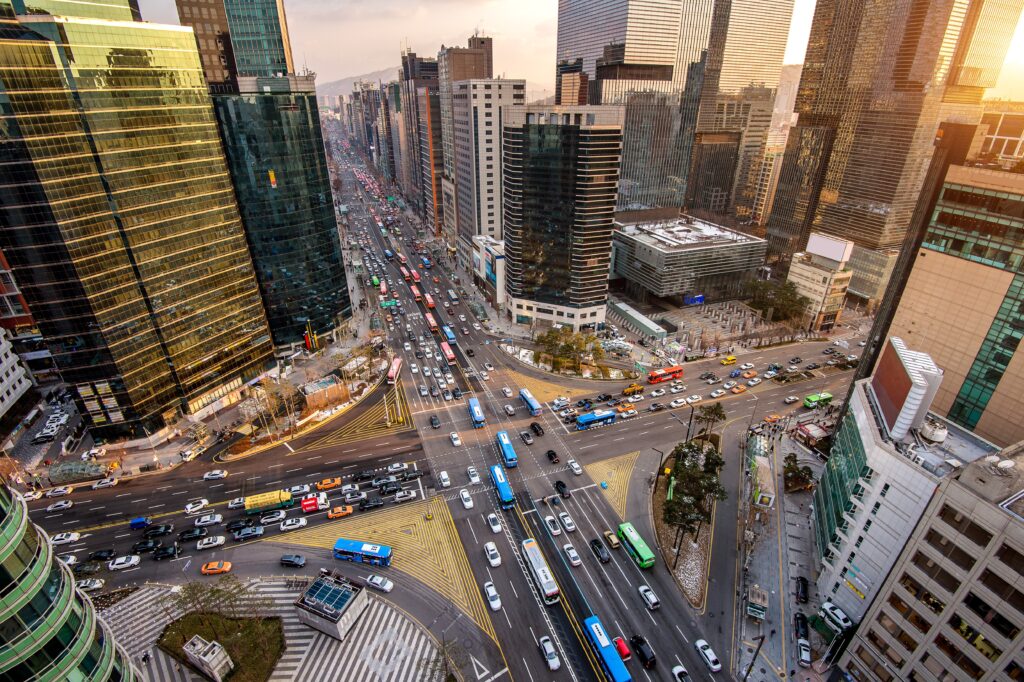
237,503
803,653
567,522
571,554
552,525
678,402
754,382
69,559
104,483
123,562
354,496
657,393
506,391
835,616
449,378
91,584
792,368
197,506
677,389
729,385
299,490
31,495
215,475
491,592
413,367
718,393
575,467
747,365
707,655
444,479
275,516
293,524
770,374
494,523
404,496
467,499
210,542
379,582
650,599
547,650
395,467
489,367
693,399
60,506
349,488
60,491
209,520
485,376
462,318
430,356
476,326
426,371
474,477
790,399
628,414
407,347
65,538
492,554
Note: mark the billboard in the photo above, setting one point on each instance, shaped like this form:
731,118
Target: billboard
904,384
489,268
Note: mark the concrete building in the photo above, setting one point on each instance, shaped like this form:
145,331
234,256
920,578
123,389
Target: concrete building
332,605
684,259
560,168
1004,134
963,302
952,607
489,270
14,379
821,273
888,457
477,109
418,77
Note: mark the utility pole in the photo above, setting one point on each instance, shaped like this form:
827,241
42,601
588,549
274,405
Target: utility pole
760,643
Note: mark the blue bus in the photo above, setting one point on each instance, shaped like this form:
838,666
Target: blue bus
426,262
505,497
601,644
508,453
595,418
388,254
531,402
362,552
449,335
476,414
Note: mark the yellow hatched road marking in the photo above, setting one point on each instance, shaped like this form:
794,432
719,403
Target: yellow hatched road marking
616,472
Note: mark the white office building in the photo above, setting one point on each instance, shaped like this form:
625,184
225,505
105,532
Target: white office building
14,378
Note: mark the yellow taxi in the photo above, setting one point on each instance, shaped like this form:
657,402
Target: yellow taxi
216,567
750,374
738,389
772,418
328,483
339,512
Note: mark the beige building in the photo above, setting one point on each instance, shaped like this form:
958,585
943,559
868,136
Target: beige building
952,608
822,274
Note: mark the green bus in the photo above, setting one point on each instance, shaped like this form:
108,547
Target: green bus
388,303
635,545
817,400
376,281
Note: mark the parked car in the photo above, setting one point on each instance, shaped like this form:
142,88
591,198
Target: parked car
801,590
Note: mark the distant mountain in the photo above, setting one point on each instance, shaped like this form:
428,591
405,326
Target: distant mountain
344,86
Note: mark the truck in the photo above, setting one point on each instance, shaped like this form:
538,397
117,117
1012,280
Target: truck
264,502
314,502
633,389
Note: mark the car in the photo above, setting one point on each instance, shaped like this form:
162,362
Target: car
812,365
749,374
273,517
753,382
31,495
491,593
851,358
249,533
370,503
537,429
739,389
395,467
611,539
800,625
339,512
693,399
211,542
802,589
476,326
599,550
562,489
657,393
293,524
547,650
237,503
494,523
717,393
505,390
747,365
408,347
835,616
104,483
729,385
423,391
404,496
101,555
380,583
803,653
91,584
707,654
771,374
622,648
568,412
678,402
552,456
792,368
492,554
676,389
567,522
60,491
795,360
650,599
470,352
293,560
489,367
196,506
215,475
122,563
299,490
628,414
790,399
328,483
454,438
509,410
574,467
643,651
435,422
446,394
209,520
713,380
419,355
216,568
427,372
474,477
170,551
158,530
526,437
60,506
467,499
679,674
443,479
655,407
382,481
65,538
192,534
552,525
364,475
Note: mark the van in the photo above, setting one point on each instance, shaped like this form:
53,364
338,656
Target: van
560,402
729,360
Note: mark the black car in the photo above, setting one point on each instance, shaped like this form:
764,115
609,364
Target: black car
363,476
813,365
239,524
707,375
250,533
796,360
412,474
537,429
457,393
146,546
643,651
604,396
801,590
192,534
434,392
382,481
158,531
600,551
553,458
167,552
829,351
419,355
390,489
102,555
470,352
562,489
293,560
87,568
800,625
581,403
435,422
370,503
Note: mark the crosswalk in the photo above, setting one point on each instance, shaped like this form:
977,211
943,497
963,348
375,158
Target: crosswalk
384,645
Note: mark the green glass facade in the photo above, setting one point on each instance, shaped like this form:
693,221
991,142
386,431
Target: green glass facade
259,37
119,219
49,631
839,485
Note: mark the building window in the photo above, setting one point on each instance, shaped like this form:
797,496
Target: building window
889,625
1012,558
968,528
1002,590
1001,624
883,647
960,659
918,591
935,572
941,544
909,614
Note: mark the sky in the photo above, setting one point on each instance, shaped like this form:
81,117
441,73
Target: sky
341,38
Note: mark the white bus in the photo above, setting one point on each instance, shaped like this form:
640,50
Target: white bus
547,588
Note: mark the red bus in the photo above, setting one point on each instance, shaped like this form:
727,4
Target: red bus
416,277
430,301
431,322
416,293
401,259
396,368
383,288
665,374
405,274
446,350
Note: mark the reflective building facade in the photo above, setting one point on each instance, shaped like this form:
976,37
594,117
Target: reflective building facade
118,216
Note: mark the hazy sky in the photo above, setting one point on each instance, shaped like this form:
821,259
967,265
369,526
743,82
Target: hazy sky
339,38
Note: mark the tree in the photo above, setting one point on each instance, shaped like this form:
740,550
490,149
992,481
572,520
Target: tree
709,415
780,299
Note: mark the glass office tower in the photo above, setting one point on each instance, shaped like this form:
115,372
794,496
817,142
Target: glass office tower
118,216
49,631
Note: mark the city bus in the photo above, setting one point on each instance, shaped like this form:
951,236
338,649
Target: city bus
416,293
452,297
396,368
476,414
505,497
817,400
425,263
635,545
508,453
415,276
430,302
405,274
383,288
401,259
446,351
449,335
431,322
531,403
604,651
595,418
665,374
376,281
384,303
388,254
545,583
362,552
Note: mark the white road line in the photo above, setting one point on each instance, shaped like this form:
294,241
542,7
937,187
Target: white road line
100,507
349,450
317,457
292,471
180,492
682,635
157,506
122,535
290,448
127,494
116,514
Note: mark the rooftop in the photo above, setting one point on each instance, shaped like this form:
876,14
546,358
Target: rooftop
999,479
682,234
328,597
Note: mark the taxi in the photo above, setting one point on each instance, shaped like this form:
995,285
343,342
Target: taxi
216,567
339,512
328,484
738,389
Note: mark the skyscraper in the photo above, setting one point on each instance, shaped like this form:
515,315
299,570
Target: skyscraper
878,78
125,237
561,172
269,122
417,73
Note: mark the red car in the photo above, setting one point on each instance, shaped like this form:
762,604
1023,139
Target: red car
622,648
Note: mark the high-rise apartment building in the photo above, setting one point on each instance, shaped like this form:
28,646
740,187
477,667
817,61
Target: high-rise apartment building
269,123
477,109
561,168
878,78
50,630
125,238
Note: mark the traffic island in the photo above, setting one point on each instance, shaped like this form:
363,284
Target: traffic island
254,645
